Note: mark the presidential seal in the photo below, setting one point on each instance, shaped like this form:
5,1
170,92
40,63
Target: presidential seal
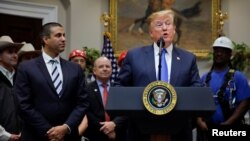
159,97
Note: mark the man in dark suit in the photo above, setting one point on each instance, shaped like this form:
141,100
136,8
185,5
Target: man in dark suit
50,92
102,127
140,66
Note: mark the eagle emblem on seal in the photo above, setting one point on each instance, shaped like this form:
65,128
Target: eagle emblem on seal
159,97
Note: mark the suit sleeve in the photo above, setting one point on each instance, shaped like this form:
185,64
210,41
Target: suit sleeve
94,121
82,103
195,77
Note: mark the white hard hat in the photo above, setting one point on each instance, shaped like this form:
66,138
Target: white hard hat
223,42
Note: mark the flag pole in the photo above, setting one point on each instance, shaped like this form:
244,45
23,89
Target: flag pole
105,18
107,49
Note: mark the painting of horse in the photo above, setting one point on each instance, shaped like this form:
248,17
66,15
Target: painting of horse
193,26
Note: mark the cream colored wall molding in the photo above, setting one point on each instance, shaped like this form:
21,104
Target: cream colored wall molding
47,13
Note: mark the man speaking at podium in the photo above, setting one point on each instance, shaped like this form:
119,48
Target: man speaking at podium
141,67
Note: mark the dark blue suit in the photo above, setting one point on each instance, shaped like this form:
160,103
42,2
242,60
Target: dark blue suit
139,70
40,106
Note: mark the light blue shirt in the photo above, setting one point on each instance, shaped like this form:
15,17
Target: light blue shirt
99,83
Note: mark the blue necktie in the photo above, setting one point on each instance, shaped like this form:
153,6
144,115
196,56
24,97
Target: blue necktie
55,76
164,66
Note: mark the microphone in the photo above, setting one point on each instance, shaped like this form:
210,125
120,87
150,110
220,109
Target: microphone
160,43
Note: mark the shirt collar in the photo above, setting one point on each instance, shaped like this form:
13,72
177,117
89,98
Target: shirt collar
169,48
7,73
100,83
47,58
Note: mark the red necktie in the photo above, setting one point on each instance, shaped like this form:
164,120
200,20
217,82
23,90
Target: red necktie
105,96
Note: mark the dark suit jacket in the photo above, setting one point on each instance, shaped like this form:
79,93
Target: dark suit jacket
96,114
9,118
139,70
40,106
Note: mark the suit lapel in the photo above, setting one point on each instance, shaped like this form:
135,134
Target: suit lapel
42,66
149,61
4,79
65,76
97,92
175,68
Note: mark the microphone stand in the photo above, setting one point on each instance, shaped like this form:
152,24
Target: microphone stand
160,44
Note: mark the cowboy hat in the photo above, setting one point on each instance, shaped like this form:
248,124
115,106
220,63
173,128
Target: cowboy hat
28,48
7,42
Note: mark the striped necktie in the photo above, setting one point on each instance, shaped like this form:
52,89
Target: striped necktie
164,66
55,76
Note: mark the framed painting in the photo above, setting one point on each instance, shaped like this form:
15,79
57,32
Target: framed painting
196,29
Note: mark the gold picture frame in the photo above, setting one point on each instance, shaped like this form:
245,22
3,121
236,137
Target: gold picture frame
199,52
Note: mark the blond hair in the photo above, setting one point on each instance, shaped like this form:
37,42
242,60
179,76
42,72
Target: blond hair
161,13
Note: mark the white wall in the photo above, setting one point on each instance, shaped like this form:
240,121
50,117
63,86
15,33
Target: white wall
237,25
86,27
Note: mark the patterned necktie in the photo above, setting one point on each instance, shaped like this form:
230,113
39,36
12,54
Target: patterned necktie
55,76
105,96
164,66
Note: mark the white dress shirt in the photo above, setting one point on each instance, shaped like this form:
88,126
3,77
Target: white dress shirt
168,57
47,59
9,75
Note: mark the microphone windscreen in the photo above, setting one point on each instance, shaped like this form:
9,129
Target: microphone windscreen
161,42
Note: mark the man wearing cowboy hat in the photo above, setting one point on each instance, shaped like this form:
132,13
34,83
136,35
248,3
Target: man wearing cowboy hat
27,52
10,124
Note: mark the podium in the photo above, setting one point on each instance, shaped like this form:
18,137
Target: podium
191,102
